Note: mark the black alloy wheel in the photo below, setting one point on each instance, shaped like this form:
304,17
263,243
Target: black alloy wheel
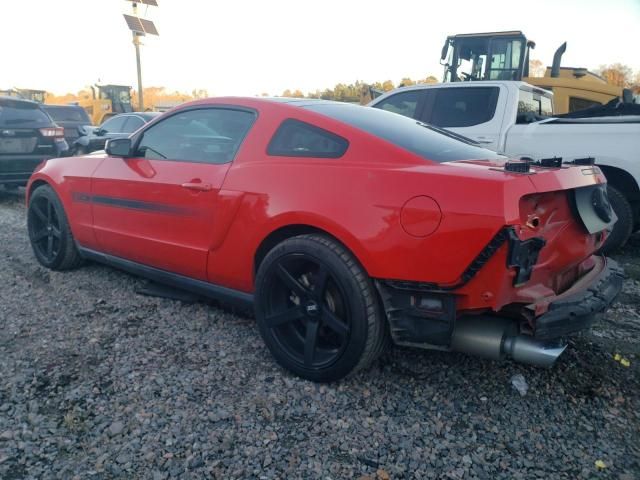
49,231
307,313
44,229
317,309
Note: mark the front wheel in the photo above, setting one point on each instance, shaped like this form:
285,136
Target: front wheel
49,231
317,309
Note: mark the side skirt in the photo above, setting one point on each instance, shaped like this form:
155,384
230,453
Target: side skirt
206,289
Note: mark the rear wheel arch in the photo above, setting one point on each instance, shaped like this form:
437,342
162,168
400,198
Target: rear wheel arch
285,232
623,181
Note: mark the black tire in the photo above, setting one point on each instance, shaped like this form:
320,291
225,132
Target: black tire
49,231
312,295
624,226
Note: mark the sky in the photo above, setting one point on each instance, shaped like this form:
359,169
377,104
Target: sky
249,47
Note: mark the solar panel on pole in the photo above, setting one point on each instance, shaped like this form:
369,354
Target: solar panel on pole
149,27
134,23
139,28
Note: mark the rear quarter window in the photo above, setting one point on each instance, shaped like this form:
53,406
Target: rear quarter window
299,139
431,143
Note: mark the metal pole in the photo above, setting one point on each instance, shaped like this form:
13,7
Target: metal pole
136,43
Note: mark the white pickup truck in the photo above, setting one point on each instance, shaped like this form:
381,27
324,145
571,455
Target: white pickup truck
516,119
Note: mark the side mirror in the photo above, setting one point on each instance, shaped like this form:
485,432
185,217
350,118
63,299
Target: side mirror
99,132
118,147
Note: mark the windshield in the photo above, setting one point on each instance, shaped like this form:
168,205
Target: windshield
486,58
68,114
14,114
425,140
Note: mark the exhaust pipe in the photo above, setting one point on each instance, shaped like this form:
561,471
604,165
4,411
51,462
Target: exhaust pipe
557,58
497,338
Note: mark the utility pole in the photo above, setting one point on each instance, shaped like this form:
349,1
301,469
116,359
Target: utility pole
139,28
136,44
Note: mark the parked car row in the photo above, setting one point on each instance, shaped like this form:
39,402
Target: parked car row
31,132
28,135
345,227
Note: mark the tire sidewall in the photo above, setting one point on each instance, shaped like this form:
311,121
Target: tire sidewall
341,274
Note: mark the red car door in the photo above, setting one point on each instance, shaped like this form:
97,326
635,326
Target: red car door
158,208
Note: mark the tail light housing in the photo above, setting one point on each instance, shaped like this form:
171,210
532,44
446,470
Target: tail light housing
52,132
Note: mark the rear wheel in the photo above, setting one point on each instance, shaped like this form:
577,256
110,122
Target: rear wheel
49,231
624,226
317,310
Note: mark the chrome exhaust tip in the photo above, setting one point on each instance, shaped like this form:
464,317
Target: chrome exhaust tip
497,338
534,352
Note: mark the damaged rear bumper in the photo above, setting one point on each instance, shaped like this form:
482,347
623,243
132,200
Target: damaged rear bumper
576,308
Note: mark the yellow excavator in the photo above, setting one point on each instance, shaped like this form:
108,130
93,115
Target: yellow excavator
505,56
106,101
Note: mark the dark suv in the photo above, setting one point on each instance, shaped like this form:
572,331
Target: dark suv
73,118
27,136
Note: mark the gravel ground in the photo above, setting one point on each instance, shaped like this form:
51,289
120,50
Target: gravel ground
100,382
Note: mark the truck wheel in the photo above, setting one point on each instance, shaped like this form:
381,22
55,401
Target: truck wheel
317,309
623,227
49,231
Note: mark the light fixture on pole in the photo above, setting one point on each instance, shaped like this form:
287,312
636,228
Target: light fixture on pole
140,27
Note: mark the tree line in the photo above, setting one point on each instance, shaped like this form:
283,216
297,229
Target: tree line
358,92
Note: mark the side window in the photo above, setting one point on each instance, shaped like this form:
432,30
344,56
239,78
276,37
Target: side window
132,124
206,135
114,125
532,105
576,103
464,107
404,103
299,139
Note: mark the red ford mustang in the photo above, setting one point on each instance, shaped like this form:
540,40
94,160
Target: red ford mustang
344,226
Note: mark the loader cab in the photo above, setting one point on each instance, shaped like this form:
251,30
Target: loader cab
486,56
119,95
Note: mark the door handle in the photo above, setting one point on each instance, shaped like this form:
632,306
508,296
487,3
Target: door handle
200,187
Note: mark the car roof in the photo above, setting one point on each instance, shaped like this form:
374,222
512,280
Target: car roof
6,98
46,106
147,116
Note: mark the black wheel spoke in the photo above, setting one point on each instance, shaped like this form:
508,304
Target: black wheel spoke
50,246
291,282
40,235
310,340
55,231
334,323
39,213
49,213
321,279
287,316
